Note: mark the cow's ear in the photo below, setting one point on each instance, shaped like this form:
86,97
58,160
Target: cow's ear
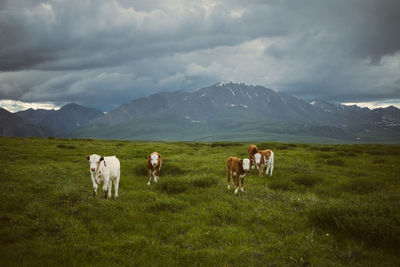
102,158
87,157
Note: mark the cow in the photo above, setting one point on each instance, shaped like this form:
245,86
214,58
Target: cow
154,163
262,158
238,169
252,150
106,170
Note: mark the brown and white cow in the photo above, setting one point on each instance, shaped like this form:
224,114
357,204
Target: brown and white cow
262,158
154,163
252,151
238,169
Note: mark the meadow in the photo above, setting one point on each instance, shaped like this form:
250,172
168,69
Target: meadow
324,205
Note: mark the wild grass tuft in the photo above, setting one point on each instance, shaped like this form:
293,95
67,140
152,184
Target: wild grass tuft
66,146
167,205
335,162
205,181
363,186
281,185
307,180
172,185
374,223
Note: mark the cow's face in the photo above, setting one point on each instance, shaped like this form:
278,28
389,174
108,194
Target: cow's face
257,158
246,165
100,172
94,162
154,159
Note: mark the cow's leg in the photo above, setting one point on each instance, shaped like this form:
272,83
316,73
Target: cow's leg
268,167
156,175
261,170
272,168
148,176
94,185
116,185
105,186
228,179
236,180
109,188
242,181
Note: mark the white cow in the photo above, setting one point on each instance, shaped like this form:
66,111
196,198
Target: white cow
106,170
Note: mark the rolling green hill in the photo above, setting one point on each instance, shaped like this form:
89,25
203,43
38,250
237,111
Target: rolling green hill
324,205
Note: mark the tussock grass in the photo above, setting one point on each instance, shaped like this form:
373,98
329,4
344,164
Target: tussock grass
205,181
325,205
66,146
363,186
173,185
225,144
335,162
282,185
168,205
307,180
374,223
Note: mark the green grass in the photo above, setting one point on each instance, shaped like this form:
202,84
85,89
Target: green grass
324,205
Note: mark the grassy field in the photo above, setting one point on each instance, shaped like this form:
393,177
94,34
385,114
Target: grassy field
324,205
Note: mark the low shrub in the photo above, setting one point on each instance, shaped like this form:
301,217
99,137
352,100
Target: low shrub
168,205
66,146
306,180
378,161
223,144
281,185
172,185
223,215
363,186
335,162
376,224
205,181
172,169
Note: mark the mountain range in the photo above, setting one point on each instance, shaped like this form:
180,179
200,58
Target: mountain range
43,123
224,111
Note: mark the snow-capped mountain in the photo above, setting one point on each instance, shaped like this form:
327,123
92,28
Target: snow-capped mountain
227,111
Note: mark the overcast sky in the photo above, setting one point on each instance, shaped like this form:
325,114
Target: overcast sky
104,53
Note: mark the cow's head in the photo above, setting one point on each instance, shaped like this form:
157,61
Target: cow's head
154,159
245,164
94,161
257,158
101,168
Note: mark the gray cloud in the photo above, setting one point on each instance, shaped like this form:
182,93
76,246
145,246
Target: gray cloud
104,53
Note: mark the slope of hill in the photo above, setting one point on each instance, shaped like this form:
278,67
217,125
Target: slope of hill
337,205
13,125
231,111
62,121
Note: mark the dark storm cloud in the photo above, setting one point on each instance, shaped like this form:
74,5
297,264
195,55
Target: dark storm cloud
104,53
